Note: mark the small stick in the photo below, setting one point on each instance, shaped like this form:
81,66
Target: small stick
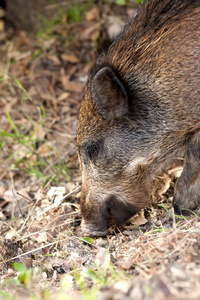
76,190
18,205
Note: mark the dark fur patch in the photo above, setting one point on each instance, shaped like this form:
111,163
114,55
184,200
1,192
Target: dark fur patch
121,212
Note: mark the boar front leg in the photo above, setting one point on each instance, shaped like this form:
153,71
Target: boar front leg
187,188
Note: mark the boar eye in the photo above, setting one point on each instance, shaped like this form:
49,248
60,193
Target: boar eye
92,150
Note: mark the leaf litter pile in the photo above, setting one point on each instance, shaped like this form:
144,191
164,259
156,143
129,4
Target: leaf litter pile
43,255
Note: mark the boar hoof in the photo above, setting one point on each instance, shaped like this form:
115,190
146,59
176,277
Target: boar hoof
180,211
186,199
187,188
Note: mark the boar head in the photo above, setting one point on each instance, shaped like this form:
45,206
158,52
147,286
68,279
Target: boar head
112,155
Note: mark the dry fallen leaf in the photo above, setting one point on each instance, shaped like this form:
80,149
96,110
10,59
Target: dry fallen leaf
93,14
41,238
131,12
71,86
54,58
17,55
2,25
103,259
176,172
3,188
70,58
122,286
92,32
2,13
63,96
166,184
55,194
139,219
45,149
115,26
40,132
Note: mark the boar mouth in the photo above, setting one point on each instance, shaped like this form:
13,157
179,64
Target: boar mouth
92,230
121,211
114,211
95,233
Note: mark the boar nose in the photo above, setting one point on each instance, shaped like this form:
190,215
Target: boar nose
93,229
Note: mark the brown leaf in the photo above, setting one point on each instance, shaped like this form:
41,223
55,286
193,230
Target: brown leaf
2,13
70,58
3,188
92,32
176,172
103,259
17,55
115,26
63,96
71,86
54,58
2,25
55,194
139,219
41,238
92,14
40,133
45,150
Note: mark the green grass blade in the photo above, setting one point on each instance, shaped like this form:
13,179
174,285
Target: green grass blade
11,122
24,92
177,216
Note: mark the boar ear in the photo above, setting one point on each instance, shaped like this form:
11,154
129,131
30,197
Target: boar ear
109,95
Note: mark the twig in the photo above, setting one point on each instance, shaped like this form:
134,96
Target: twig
76,190
48,245
174,220
50,228
65,3
31,251
25,197
18,205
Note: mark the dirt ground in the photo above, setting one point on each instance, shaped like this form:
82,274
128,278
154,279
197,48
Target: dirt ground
154,256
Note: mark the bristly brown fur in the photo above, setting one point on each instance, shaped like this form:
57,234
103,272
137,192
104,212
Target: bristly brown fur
141,108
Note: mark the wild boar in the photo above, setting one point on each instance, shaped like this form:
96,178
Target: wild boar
140,109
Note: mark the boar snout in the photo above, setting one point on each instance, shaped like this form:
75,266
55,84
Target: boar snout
93,229
99,215
95,215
